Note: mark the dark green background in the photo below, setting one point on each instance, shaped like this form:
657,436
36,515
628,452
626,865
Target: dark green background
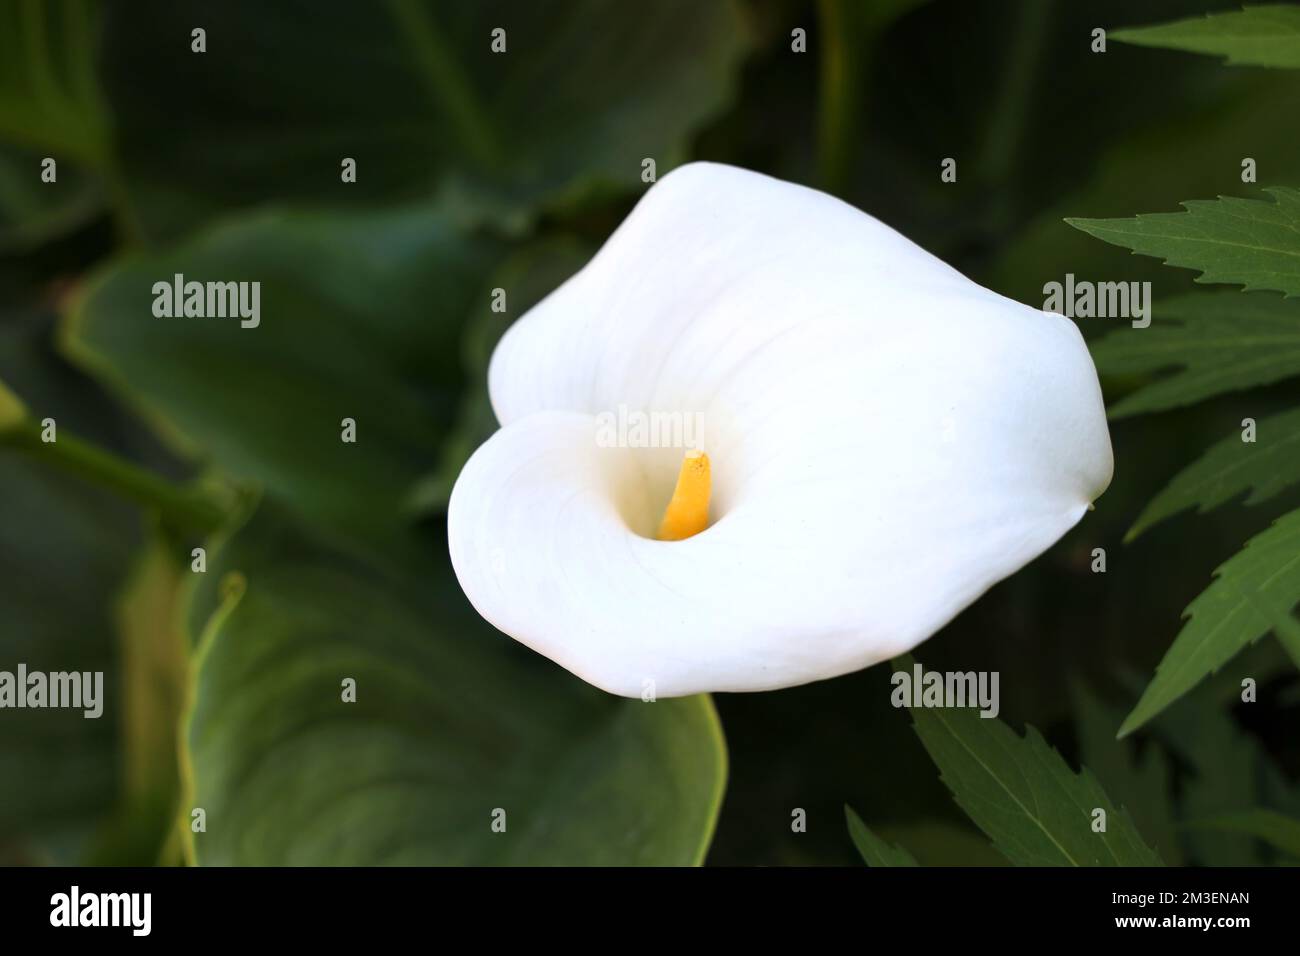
511,171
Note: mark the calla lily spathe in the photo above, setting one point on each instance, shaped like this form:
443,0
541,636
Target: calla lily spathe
887,440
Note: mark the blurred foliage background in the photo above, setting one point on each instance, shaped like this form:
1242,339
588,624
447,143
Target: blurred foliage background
475,171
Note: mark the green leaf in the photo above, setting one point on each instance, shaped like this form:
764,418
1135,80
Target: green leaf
875,851
1179,148
49,97
1224,767
360,318
1276,829
50,108
527,276
412,91
1248,242
1020,792
33,212
12,410
1251,592
1218,341
451,723
1142,782
1287,630
65,550
1266,35
1264,467
940,843
58,769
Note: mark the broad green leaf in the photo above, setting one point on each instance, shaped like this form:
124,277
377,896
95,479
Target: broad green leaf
1218,342
1019,791
49,97
62,556
1267,35
413,92
1251,592
1249,242
875,851
50,108
1264,467
1276,829
360,318
33,212
451,723
527,277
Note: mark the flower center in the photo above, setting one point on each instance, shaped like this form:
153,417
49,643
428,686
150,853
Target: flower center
687,513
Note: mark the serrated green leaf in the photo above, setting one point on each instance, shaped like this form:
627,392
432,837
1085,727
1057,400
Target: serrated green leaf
1287,630
1264,467
1251,592
1249,242
941,843
1267,35
1218,341
450,724
1142,782
875,851
1223,766
1276,829
1174,154
1022,793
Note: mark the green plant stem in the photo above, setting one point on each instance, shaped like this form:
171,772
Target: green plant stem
180,506
1005,132
445,82
844,52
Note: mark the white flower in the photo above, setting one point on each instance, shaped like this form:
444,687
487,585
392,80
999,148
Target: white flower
886,439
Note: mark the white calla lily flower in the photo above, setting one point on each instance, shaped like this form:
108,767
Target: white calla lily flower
884,441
